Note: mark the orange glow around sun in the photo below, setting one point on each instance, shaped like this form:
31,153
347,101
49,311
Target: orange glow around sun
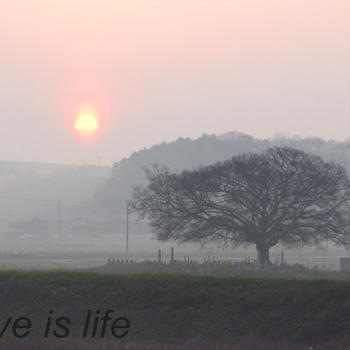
86,125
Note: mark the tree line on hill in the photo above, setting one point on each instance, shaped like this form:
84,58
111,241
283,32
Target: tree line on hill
185,153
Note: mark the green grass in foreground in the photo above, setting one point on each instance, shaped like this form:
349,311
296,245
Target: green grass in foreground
221,269
67,278
184,312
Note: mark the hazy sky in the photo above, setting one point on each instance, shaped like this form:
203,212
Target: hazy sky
155,70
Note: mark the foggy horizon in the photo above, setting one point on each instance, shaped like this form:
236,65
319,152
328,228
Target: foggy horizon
99,161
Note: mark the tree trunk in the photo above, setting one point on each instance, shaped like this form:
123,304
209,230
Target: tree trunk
263,254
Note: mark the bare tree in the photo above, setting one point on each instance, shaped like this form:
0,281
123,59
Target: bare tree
281,196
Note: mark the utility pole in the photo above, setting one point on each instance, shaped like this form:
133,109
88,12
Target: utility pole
127,228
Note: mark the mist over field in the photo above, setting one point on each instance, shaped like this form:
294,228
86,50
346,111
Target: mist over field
174,175
56,215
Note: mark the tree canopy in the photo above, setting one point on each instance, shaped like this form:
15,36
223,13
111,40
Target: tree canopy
281,196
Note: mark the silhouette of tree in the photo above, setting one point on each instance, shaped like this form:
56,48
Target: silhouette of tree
281,196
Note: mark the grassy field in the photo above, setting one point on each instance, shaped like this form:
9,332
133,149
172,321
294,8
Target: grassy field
180,312
221,269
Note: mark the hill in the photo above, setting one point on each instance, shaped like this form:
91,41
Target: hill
29,192
187,154
40,181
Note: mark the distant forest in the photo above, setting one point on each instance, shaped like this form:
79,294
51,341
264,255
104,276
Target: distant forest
185,153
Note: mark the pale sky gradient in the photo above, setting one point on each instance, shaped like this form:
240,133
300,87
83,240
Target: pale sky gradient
155,70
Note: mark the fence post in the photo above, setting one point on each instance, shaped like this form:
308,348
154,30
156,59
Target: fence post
282,257
159,256
172,255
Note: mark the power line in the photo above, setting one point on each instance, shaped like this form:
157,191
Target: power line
23,199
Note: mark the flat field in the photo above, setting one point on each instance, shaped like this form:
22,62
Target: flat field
176,312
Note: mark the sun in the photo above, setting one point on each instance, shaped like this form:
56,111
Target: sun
86,125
